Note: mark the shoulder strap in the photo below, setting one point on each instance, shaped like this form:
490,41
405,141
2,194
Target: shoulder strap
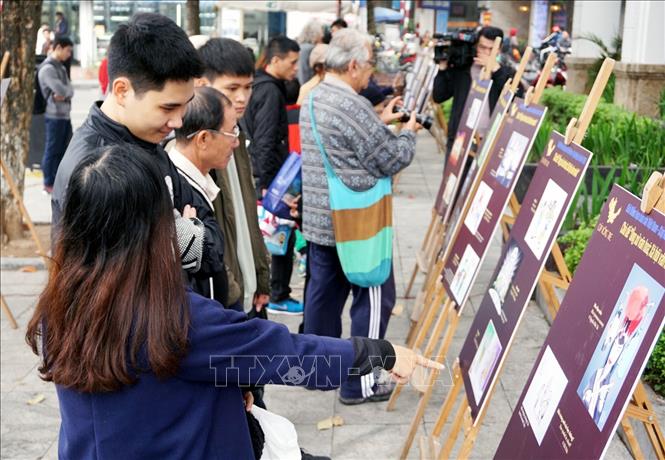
317,138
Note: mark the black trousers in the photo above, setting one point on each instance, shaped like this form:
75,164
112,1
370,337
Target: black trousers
281,269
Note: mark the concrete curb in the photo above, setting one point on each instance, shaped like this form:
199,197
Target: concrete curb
16,263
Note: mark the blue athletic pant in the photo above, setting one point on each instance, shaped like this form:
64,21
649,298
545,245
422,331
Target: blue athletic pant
325,295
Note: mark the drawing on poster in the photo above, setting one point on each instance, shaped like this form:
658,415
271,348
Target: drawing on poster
456,149
545,218
478,207
465,270
450,189
544,394
499,288
474,112
621,339
484,361
512,157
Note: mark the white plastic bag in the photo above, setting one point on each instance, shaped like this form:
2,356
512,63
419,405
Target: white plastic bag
281,439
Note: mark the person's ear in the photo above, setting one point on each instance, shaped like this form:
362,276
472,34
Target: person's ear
121,88
202,139
203,81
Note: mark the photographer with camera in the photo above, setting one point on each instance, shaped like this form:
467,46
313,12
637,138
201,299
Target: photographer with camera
458,64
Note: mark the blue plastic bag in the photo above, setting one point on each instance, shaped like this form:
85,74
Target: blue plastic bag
285,188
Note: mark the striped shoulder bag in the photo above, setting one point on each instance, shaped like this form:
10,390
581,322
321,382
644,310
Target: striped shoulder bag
362,222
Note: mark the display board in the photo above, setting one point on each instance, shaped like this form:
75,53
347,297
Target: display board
476,102
506,159
551,191
599,343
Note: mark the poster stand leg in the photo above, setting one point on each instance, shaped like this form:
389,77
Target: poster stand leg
26,218
8,313
434,373
423,246
428,293
443,315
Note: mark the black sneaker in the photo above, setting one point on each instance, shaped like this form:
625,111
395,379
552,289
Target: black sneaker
381,393
306,456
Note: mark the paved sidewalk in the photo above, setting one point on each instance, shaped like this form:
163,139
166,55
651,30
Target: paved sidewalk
369,432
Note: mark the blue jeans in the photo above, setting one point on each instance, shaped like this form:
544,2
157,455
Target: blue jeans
58,134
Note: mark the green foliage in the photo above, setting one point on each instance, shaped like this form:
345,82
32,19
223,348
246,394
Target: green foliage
661,104
654,373
613,51
575,242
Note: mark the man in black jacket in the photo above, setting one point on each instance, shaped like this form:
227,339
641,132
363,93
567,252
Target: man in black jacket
266,125
152,66
456,82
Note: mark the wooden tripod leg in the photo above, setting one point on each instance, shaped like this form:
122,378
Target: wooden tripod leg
417,342
414,273
428,235
635,449
432,288
447,406
24,212
641,409
8,313
438,328
422,405
447,448
430,301
470,435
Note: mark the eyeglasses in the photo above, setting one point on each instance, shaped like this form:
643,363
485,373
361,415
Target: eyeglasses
235,134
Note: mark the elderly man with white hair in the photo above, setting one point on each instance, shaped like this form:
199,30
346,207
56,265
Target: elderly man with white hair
362,150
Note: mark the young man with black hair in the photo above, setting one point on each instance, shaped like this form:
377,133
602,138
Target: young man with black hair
338,24
456,82
266,124
57,91
152,67
229,68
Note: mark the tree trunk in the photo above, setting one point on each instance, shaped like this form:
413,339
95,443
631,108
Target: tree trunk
20,23
193,19
371,25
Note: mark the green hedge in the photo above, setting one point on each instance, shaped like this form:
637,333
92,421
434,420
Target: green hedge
615,136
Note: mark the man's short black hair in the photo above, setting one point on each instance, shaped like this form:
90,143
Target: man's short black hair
339,22
204,111
491,33
224,56
62,41
59,13
150,50
280,46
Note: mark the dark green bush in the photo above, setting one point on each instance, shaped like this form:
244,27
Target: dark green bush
654,373
574,242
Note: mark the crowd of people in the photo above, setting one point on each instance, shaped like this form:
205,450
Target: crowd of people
153,321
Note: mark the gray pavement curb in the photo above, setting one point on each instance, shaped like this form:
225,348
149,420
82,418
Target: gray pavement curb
14,263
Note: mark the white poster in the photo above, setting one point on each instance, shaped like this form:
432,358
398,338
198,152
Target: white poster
545,218
484,361
512,157
474,111
544,394
450,189
466,269
478,207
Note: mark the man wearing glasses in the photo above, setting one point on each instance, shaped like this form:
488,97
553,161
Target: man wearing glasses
204,142
455,82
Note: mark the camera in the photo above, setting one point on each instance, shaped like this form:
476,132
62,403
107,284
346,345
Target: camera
458,48
423,120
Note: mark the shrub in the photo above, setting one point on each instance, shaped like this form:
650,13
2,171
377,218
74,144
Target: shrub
654,373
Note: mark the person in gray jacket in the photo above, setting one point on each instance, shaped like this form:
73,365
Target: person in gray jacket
361,149
58,92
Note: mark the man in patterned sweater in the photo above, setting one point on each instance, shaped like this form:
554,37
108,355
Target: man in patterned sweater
361,149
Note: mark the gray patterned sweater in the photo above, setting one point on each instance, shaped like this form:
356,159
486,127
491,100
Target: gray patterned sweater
361,149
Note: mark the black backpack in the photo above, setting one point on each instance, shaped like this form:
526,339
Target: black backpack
39,104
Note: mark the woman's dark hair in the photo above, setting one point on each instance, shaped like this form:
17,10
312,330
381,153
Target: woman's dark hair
114,304
339,22
224,56
151,50
204,111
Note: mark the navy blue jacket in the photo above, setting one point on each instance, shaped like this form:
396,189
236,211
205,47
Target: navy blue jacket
199,413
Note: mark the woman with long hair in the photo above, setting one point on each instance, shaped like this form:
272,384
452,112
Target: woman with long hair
144,368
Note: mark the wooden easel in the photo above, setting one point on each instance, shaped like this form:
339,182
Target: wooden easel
24,212
420,314
574,132
432,248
